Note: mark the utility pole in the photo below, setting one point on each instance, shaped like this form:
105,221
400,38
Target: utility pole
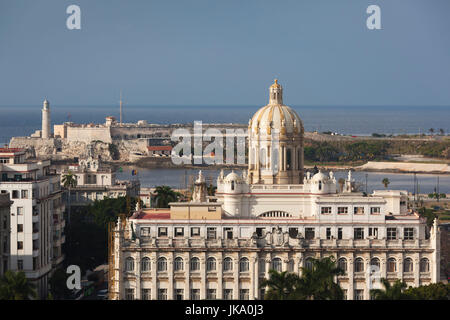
437,192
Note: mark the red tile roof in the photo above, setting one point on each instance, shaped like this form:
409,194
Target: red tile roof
11,150
159,148
152,215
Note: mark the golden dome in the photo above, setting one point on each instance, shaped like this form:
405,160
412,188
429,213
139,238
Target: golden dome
275,84
277,117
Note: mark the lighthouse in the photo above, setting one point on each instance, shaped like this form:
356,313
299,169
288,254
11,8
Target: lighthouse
46,133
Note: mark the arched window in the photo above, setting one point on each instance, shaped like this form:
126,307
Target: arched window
291,265
342,264
195,264
277,264
320,185
178,264
211,264
129,264
162,264
359,265
375,262
309,264
408,265
392,265
232,185
227,264
243,265
424,265
145,264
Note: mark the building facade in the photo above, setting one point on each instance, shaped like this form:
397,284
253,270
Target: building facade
5,232
36,216
96,181
271,216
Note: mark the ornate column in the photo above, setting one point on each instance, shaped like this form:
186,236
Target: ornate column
187,276
256,283
220,276
252,278
154,263
236,277
350,292
416,269
170,295
138,275
203,276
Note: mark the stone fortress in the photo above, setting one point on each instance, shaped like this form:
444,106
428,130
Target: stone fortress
111,140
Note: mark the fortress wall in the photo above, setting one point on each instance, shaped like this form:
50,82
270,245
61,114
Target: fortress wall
87,135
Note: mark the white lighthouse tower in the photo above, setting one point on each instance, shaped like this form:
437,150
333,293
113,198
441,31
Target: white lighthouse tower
46,120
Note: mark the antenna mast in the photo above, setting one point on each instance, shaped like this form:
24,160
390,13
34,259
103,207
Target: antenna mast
120,120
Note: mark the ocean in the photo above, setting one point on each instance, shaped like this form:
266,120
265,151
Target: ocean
24,120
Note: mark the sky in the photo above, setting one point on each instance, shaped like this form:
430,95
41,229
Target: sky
225,52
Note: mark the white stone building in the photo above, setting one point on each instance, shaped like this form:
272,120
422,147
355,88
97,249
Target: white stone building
37,221
96,181
270,217
5,232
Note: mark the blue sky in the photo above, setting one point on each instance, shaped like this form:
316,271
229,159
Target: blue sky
225,52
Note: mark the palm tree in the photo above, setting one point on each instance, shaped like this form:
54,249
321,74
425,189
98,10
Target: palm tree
390,292
211,190
164,195
441,131
282,286
15,286
431,131
386,182
318,282
69,181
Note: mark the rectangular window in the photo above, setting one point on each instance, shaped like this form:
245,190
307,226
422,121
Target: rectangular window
179,294
195,294
375,210
211,294
19,211
19,245
358,210
195,232
145,231
260,232
24,194
391,233
228,233
244,294
359,294
146,294
325,210
373,233
309,233
211,233
344,294
339,233
358,233
293,232
328,233
20,228
162,294
228,294
162,232
342,210
211,209
20,264
15,194
262,293
179,232
129,294
408,234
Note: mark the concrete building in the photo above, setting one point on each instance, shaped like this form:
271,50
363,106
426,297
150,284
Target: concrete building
96,181
37,221
272,216
5,232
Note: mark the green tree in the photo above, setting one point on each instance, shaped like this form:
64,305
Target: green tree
317,283
390,292
164,195
282,286
16,286
211,190
433,291
431,130
69,181
385,182
58,285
